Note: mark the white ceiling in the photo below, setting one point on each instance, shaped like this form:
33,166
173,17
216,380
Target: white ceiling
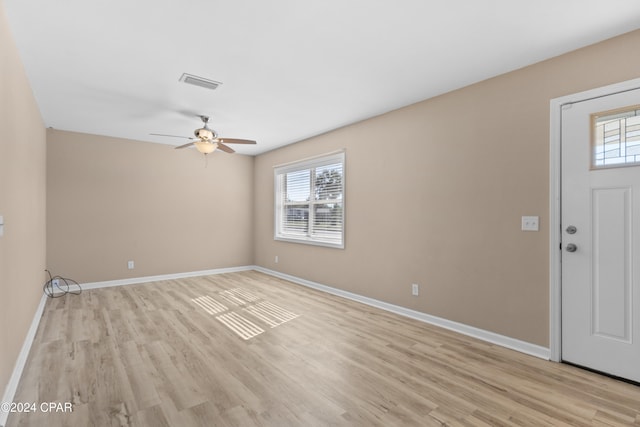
290,69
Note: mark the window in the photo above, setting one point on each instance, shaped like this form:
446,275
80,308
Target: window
616,138
309,201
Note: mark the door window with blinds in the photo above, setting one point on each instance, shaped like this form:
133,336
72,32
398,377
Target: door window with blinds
309,201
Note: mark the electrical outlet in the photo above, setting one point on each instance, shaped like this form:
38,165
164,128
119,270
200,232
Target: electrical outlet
130,265
530,223
55,289
276,259
415,289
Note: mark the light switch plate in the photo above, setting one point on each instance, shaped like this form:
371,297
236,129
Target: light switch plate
1,225
530,223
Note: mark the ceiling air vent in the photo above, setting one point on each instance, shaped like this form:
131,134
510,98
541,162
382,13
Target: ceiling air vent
199,81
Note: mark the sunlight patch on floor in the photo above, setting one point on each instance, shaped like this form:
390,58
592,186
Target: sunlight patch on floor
244,328
209,305
238,296
251,305
270,313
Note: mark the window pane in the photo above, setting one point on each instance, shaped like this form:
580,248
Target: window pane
296,219
327,221
328,182
298,186
616,138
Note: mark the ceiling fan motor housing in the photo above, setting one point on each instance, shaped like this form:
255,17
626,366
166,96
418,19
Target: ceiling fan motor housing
205,134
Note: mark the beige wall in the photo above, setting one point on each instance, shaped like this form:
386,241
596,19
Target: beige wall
22,203
435,193
113,200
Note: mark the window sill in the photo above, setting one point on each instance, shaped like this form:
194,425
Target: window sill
310,241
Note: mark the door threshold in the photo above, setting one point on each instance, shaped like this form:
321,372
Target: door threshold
595,371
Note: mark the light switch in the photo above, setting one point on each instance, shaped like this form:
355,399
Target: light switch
530,223
1,225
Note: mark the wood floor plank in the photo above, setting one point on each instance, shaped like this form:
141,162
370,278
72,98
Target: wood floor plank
151,355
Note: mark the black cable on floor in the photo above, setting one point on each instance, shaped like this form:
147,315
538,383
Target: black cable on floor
56,283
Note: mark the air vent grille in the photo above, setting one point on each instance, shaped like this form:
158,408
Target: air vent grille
199,81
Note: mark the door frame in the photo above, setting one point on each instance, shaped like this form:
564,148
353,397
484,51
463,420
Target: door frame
555,204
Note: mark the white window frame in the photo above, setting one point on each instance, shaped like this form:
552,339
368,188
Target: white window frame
307,164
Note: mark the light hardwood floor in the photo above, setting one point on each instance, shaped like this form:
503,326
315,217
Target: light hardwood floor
171,354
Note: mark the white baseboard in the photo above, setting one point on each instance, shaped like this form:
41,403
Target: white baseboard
145,279
12,386
501,340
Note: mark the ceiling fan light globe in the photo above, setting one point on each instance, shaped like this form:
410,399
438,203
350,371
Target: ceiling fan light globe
205,147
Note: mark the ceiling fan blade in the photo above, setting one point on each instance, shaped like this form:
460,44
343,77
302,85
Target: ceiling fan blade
225,148
184,146
235,141
171,136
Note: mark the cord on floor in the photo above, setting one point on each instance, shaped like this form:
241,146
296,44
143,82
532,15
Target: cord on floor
58,286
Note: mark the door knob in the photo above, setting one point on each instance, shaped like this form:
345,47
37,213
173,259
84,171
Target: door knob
571,229
571,247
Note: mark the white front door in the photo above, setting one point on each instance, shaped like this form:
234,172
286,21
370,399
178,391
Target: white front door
600,202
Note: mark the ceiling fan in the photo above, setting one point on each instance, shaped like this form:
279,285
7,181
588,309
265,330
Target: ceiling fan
207,140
